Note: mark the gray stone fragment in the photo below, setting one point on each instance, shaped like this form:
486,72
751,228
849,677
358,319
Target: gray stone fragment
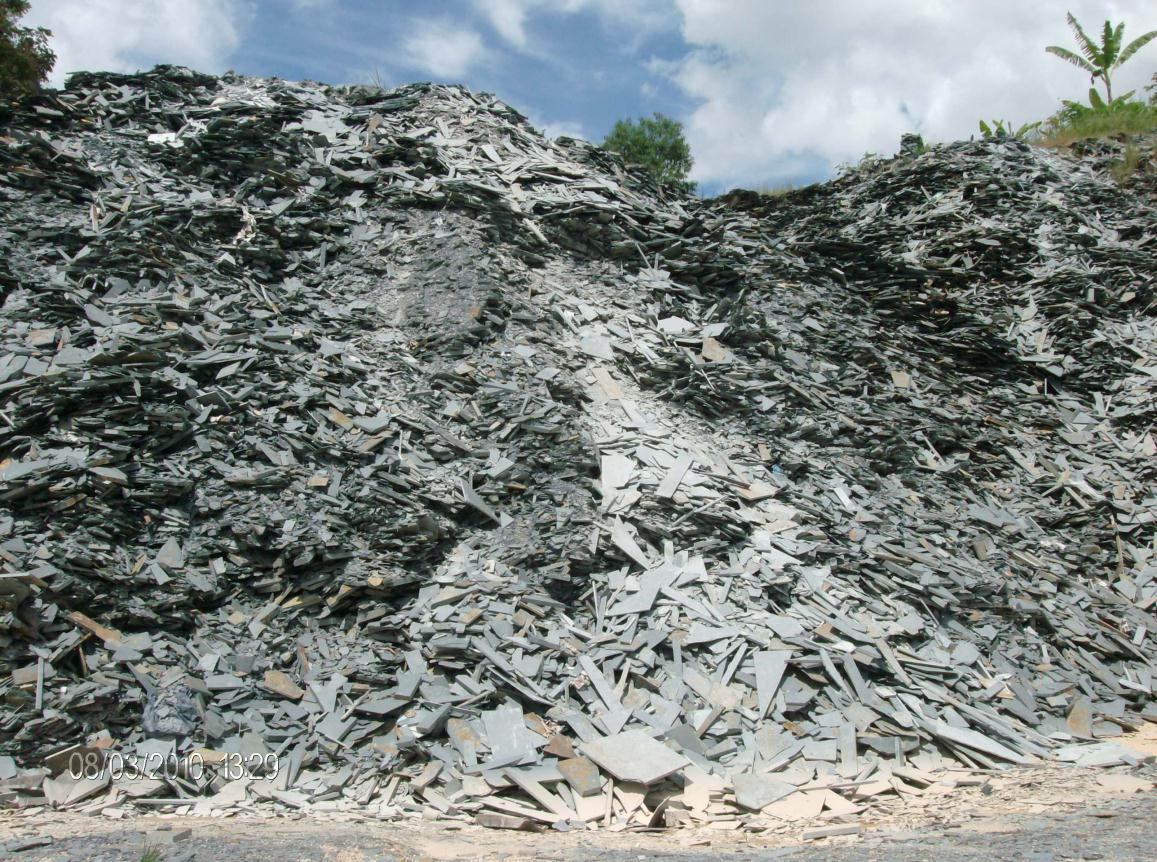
171,711
634,756
582,775
756,791
830,831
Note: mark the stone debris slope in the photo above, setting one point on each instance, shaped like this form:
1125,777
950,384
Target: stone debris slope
368,451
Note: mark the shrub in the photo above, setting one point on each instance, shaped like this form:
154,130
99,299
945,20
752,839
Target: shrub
656,144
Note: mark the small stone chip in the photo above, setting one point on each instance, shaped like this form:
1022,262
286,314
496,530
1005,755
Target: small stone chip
830,831
279,683
497,820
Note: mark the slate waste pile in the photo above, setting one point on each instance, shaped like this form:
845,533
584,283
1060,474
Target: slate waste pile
376,455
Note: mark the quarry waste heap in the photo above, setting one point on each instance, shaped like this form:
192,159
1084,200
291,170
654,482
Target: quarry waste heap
370,452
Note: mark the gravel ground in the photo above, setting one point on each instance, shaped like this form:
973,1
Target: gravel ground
1114,830
1036,814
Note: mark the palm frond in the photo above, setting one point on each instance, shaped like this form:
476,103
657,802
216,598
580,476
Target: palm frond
1088,46
1108,46
1022,132
1136,45
1095,99
1068,56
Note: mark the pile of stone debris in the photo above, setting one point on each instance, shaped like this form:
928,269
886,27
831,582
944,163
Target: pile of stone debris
367,451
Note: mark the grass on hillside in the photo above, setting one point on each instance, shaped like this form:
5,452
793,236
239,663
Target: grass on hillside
1067,127
1135,161
1124,121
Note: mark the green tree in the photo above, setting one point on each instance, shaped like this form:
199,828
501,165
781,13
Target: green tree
25,58
656,144
1100,61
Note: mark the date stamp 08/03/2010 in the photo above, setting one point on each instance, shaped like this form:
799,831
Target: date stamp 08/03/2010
94,764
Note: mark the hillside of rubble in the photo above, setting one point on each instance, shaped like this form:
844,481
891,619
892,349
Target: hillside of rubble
367,450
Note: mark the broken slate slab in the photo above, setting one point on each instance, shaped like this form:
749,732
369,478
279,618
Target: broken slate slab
756,791
582,775
634,756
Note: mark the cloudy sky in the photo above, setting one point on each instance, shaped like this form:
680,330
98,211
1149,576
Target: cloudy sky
770,91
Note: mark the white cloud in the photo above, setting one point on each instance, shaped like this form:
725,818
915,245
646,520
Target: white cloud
634,18
563,129
832,80
443,49
508,17
126,35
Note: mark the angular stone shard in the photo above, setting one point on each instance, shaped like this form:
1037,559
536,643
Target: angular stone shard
582,775
279,683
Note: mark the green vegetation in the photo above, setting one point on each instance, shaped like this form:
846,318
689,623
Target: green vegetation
1100,61
912,144
1132,163
25,58
1003,128
1075,122
152,853
656,144
1104,116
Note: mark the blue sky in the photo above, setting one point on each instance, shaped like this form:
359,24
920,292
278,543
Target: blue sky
770,91
571,72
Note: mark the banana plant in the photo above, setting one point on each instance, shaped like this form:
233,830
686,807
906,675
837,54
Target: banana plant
1002,128
1101,61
